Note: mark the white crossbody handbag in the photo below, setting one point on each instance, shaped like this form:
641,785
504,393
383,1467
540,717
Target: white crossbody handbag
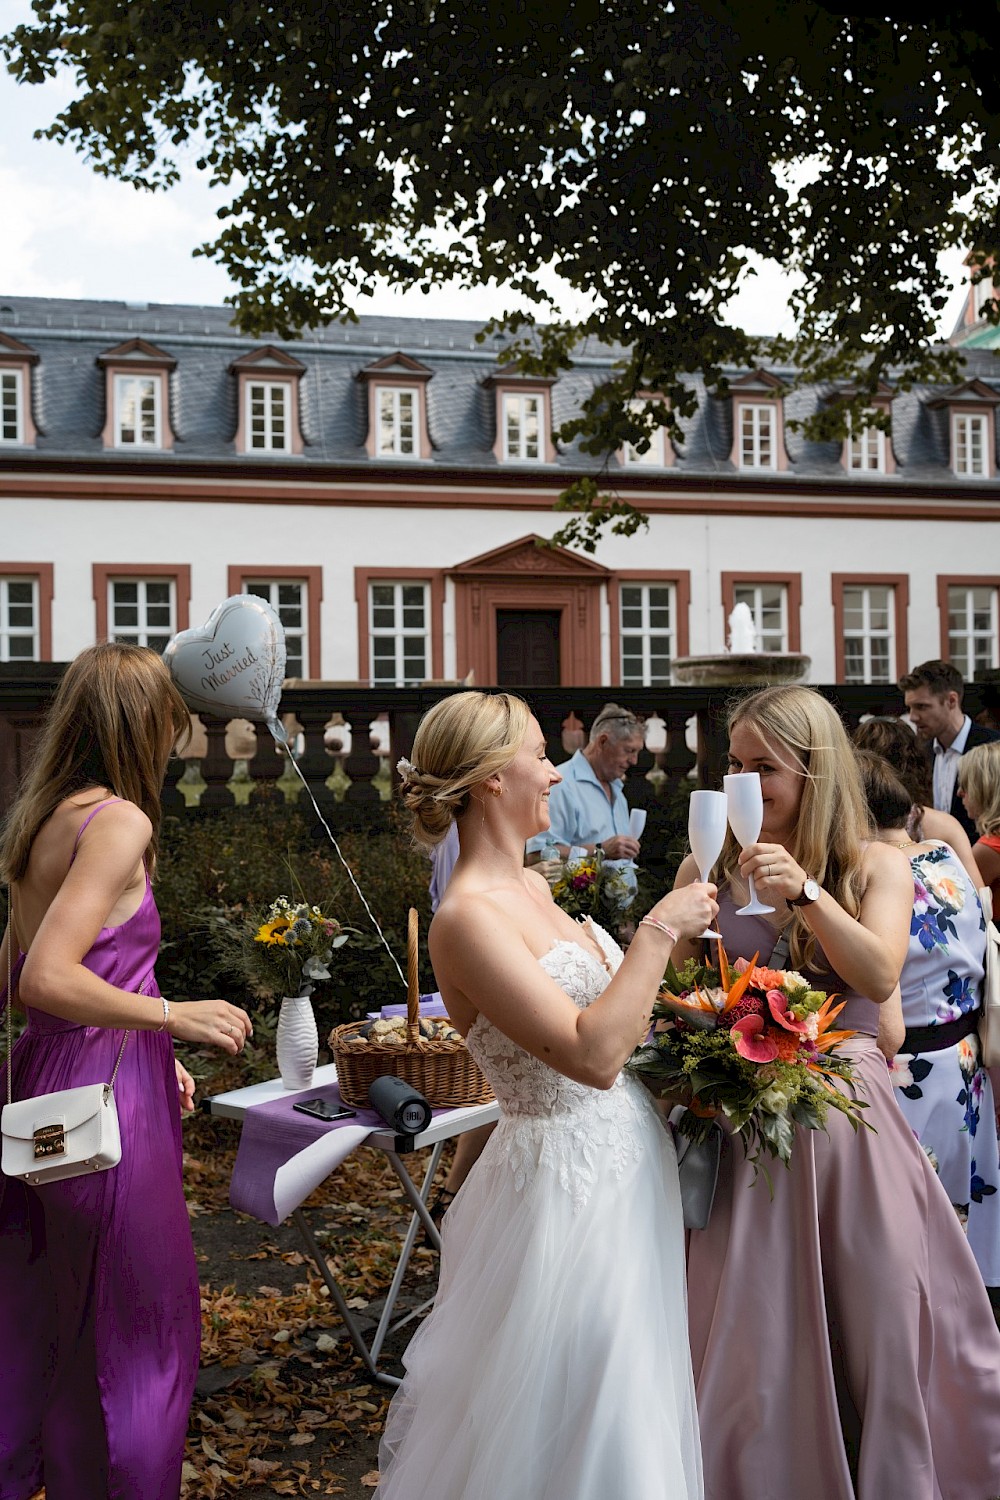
66,1134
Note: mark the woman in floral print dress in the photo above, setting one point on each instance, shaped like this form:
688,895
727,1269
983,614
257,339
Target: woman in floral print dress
941,1085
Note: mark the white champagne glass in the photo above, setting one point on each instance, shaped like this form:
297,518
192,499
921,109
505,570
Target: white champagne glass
746,814
707,815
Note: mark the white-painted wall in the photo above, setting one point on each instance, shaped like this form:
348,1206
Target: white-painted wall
212,536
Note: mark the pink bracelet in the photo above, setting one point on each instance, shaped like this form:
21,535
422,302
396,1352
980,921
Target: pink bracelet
661,926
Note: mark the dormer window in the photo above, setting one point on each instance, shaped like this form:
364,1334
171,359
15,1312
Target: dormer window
397,408
137,411
522,424
16,360
971,412
268,402
969,444
524,419
659,454
866,450
758,422
137,398
397,420
11,404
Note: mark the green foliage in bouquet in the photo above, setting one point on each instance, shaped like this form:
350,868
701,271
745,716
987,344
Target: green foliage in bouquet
754,1044
589,886
281,949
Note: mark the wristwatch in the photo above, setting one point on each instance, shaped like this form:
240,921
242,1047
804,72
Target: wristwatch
810,893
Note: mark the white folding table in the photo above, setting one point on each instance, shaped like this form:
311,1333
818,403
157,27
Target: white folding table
234,1105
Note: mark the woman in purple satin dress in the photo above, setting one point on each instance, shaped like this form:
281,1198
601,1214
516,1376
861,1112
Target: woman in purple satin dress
842,1340
99,1307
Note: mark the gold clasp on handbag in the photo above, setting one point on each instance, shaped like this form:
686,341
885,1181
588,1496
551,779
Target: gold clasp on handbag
50,1140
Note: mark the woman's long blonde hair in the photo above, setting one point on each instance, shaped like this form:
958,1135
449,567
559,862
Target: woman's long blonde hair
979,775
806,735
107,726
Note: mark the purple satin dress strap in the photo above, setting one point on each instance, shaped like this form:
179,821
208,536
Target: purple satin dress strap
99,1300
842,1340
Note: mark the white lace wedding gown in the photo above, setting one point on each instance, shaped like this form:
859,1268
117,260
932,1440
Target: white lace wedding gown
555,1364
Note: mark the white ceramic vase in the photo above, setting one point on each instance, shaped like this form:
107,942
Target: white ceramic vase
296,1042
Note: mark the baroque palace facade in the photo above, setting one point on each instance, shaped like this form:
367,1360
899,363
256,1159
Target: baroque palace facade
383,485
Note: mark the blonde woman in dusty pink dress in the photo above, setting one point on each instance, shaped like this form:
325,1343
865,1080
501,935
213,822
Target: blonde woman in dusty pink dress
842,1340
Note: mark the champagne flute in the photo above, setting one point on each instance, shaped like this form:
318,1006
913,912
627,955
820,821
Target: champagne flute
707,814
746,814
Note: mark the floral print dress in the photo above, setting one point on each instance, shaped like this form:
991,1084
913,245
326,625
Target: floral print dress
945,1093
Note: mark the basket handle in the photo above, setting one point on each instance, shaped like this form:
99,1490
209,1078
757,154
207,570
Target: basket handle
412,980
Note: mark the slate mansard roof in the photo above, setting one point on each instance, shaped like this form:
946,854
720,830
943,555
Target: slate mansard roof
68,398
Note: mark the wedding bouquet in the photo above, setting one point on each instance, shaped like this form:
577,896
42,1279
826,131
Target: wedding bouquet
590,886
281,949
755,1044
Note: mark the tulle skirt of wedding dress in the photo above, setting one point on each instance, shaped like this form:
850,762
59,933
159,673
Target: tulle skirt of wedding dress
555,1364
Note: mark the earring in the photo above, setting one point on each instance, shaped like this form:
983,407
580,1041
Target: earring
497,791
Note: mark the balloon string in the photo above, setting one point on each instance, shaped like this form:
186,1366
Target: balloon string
287,748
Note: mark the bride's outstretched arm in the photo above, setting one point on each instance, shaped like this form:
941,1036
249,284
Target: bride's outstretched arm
479,951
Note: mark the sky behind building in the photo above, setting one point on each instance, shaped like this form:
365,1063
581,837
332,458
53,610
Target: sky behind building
69,232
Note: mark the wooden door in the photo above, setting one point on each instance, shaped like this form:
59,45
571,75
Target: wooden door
528,647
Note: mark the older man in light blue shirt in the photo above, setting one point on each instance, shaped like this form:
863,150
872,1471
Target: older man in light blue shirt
587,809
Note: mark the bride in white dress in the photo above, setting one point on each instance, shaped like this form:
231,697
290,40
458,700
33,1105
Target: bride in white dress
555,1364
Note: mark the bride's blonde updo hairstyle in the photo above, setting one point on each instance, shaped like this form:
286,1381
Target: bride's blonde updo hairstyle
459,743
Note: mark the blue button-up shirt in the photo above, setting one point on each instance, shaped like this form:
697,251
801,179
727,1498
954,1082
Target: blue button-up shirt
579,809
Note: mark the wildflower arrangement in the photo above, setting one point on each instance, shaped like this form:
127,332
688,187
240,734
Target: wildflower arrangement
590,886
752,1043
281,949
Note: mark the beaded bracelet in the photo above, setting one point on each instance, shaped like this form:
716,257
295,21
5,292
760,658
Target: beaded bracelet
660,926
166,1013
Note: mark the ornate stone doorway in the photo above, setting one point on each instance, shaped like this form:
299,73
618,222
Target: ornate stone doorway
529,608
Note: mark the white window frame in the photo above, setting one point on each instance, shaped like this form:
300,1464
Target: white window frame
398,631
866,450
867,633
962,643
647,632
392,396
756,603
12,380
122,381
20,632
139,634
299,633
516,404
753,437
964,445
269,390
655,455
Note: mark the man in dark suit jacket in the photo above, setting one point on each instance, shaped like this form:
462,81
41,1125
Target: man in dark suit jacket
933,696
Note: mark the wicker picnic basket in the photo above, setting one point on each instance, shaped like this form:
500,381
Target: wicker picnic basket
443,1071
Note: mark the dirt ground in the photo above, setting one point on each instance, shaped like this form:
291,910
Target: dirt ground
283,1405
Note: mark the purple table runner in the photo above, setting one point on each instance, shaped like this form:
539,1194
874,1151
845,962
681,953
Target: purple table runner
284,1155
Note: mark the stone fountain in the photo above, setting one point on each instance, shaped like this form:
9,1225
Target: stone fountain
742,665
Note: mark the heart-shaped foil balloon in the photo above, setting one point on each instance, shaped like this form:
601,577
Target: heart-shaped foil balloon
233,665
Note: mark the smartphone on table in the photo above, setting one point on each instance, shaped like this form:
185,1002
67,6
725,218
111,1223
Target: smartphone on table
323,1109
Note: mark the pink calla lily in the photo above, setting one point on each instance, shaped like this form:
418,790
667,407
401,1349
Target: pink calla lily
776,1004
750,1044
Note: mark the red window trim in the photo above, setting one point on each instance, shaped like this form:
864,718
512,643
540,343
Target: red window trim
45,573
312,577
363,577
791,581
104,572
900,584
680,578
958,580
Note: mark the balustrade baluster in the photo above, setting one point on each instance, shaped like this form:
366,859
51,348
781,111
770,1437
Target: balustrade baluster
216,767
